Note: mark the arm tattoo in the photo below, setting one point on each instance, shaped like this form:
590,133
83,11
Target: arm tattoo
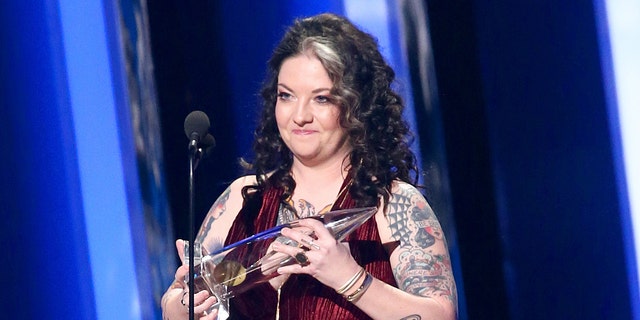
412,317
424,274
411,219
218,208
420,270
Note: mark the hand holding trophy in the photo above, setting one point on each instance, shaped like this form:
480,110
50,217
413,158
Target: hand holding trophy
240,266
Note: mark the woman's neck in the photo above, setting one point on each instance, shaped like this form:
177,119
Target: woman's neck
319,175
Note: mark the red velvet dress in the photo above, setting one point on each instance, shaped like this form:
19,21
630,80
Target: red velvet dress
302,296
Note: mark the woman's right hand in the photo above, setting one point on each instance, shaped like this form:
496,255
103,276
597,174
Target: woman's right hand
176,301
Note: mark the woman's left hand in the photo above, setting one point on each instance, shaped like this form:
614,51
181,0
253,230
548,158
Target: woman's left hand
327,260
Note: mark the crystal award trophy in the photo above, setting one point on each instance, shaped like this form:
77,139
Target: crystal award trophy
240,266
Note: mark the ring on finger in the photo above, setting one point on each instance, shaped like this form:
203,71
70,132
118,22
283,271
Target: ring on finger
182,299
310,244
302,258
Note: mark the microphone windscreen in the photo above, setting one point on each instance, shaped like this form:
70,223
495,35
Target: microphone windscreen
198,122
207,144
209,141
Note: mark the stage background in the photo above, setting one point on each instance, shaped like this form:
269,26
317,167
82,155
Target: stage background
514,106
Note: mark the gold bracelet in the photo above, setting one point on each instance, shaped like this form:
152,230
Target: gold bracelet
349,284
368,279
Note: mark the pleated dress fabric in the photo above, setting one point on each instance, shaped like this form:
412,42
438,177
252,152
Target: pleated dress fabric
302,296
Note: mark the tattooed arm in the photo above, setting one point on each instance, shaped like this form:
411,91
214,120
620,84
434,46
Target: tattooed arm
423,266
420,263
216,224
212,234
209,239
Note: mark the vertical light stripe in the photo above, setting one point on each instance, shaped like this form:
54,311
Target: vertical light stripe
624,33
100,161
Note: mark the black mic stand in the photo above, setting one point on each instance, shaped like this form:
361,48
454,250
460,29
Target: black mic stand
195,127
194,157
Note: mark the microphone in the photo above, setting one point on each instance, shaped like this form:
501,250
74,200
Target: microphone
209,141
207,145
196,126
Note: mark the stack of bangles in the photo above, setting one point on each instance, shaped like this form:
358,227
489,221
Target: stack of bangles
351,282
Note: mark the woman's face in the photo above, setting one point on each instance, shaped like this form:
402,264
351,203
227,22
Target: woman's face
306,116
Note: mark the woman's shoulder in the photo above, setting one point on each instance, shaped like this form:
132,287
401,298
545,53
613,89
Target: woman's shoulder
407,208
402,189
405,198
249,180
223,212
243,181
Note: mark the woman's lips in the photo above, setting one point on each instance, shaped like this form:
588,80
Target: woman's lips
303,132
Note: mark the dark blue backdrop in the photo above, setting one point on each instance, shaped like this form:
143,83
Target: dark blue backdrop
528,132
533,147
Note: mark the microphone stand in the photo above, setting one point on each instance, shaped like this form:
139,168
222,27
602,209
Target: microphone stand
194,155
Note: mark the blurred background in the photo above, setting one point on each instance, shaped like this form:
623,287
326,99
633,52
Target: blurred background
525,117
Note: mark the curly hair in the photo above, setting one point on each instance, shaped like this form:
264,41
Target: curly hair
370,110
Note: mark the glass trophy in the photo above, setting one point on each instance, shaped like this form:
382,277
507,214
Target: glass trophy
240,266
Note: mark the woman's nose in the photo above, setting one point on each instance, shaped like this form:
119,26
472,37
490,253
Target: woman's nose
302,114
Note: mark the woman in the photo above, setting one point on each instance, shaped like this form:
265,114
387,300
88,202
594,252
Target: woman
331,136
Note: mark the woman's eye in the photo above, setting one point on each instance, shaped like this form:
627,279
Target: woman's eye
284,96
323,99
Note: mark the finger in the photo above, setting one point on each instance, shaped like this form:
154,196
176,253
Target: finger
299,256
184,298
200,297
213,315
180,248
309,238
181,273
283,248
210,312
203,302
302,229
180,276
309,242
298,234
316,227
295,268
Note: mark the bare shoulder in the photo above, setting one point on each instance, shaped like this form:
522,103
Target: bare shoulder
216,224
231,197
410,217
